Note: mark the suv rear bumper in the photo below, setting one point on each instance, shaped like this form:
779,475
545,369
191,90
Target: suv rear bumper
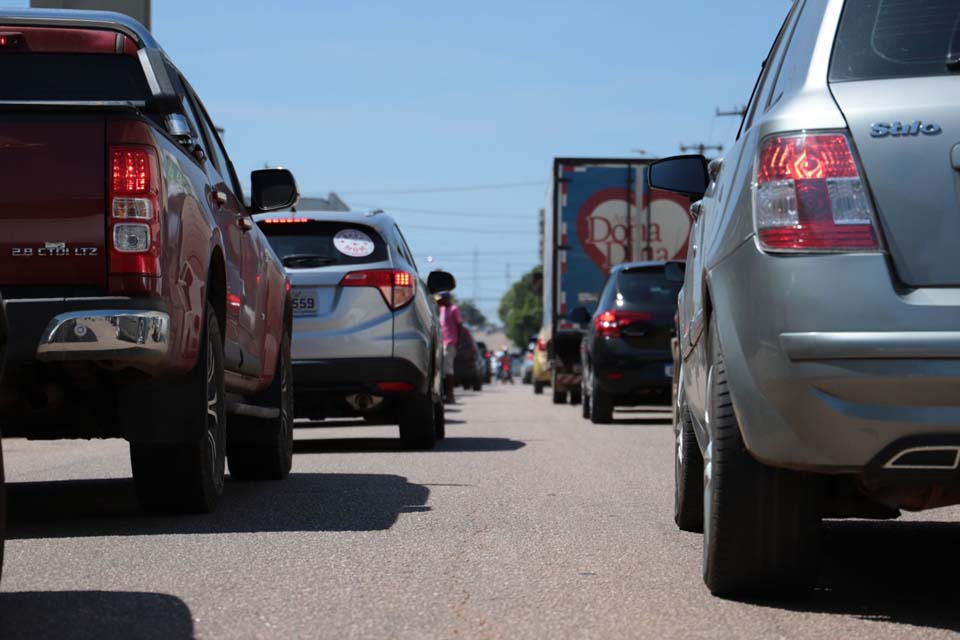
829,364
345,376
624,370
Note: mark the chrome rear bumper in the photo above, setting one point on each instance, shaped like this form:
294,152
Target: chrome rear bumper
110,334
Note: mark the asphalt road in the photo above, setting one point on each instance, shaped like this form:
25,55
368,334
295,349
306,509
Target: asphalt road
528,522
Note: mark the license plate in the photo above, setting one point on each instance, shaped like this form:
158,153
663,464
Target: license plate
305,302
668,370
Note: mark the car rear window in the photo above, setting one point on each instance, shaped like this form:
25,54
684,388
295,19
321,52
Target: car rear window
646,288
895,39
71,76
312,244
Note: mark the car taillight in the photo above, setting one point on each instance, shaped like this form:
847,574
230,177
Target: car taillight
810,196
134,211
609,323
541,344
397,287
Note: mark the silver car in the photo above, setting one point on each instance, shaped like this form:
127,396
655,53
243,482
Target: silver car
820,313
366,338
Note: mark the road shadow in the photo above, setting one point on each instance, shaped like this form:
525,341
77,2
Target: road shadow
379,445
896,572
94,614
302,502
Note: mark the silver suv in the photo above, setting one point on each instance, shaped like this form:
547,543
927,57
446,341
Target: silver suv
820,313
366,335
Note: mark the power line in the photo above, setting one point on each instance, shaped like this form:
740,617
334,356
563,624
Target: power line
444,254
468,229
440,212
478,187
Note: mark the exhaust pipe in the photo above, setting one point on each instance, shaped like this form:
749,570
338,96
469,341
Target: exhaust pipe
930,458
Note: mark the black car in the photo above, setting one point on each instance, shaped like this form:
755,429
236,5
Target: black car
626,354
487,366
468,366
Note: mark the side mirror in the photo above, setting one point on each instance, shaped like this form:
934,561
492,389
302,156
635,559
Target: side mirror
675,271
681,174
441,282
580,315
273,189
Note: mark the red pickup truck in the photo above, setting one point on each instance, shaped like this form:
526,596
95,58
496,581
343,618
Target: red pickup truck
137,297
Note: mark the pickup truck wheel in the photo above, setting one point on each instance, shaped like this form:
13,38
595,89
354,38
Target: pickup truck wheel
761,524
537,387
262,449
688,474
3,511
418,429
601,404
188,478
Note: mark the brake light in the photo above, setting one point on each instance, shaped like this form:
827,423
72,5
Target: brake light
397,287
541,344
284,220
134,211
609,323
810,196
395,387
11,41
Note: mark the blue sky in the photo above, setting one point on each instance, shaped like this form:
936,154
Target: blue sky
362,96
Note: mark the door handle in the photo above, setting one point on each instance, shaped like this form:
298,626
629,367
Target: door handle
696,210
244,222
220,197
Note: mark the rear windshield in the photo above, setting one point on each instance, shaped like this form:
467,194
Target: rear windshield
895,39
642,289
71,76
308,245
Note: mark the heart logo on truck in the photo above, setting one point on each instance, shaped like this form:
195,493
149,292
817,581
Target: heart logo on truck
608,240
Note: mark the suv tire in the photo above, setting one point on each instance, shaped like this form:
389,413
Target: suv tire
688,474
585,400
537,387
3,511
601,404
259,449
418,429
188,477
761,524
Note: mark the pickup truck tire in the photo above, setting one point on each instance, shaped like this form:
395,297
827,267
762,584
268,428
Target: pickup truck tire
188,478
262,449
601,404
537,387
3,511
418,429
688,475
761,524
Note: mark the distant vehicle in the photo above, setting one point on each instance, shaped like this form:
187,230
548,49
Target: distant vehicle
487,365
600,213
819,314
626,353
139,300
366,335
541,364
469,366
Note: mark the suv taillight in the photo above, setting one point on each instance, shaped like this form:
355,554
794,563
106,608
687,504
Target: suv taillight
541,344
609,323
810,196
397,287
134,211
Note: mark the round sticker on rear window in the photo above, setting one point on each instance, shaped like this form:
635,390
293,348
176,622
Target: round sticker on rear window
353,243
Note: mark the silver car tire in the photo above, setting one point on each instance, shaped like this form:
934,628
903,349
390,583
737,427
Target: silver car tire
688,491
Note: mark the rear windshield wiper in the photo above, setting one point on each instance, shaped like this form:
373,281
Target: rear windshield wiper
306,260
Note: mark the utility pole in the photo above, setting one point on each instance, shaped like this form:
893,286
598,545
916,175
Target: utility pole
701,148
476,264
508,275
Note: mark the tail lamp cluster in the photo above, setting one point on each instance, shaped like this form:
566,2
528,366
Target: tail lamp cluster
134,211
397,287
810,196
609,323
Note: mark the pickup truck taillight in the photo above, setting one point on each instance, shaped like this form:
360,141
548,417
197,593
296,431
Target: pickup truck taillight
397,287
134,211
609,323
810,196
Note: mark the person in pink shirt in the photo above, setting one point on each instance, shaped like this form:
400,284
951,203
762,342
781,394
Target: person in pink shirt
450,323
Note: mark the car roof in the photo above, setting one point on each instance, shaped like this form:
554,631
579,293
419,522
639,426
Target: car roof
375,218
80,19
647,264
